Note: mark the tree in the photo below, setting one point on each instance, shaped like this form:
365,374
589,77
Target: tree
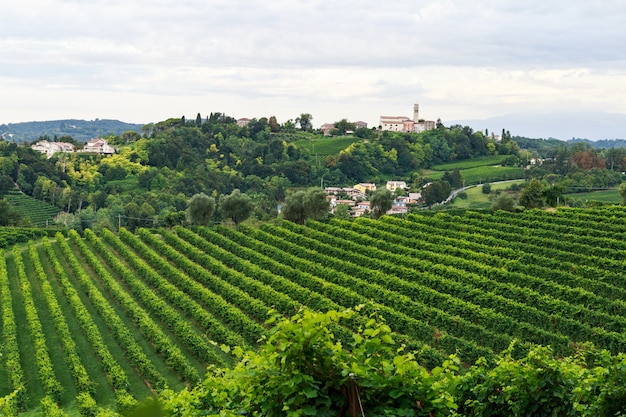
305,122
8,215
503,202
6,184
294,208
200,209
317,205
454,179
343,126
486,188
436,192
236,206
302,205
273,124
175,218
342,211
380,202
531,195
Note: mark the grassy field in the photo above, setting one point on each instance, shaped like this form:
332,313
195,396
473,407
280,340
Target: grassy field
482,174
327,145
471,163
477,200
478,170
604,196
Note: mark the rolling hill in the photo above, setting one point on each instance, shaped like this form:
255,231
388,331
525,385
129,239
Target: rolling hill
79,130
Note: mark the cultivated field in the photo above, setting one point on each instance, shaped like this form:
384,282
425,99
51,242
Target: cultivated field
41,214
106,318
478,170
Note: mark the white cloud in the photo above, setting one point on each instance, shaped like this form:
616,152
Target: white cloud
143,60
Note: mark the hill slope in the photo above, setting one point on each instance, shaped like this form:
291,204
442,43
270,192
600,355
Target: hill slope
80,130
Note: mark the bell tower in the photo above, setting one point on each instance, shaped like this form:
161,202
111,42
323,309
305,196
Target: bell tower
416,113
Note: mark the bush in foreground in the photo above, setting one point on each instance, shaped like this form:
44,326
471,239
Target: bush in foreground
302,369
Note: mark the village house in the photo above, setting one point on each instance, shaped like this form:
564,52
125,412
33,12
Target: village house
405,124
99,146
394,185
365,187
350,192
243,121
398,210
415,198
50,148
326,128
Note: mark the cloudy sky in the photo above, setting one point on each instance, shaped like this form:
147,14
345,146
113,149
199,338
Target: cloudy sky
146,60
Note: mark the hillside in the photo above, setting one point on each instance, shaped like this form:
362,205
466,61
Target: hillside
79,130
154,305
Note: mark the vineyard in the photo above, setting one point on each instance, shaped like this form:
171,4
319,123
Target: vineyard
108,319
40,213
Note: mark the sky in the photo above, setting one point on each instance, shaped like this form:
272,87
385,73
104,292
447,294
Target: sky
144,61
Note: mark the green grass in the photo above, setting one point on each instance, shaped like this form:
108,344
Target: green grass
471,163
604,196
482,174
477,200
327,145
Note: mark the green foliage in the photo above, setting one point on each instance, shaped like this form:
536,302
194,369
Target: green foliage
200,209
454,179
531,195
503,202
236,206
302,205
486,188
436,192
381,202
301,369
342,211
8,405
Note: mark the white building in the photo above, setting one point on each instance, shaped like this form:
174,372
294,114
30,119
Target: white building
50,148
99,146
405,124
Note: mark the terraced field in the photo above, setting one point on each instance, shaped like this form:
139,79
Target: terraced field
41,214
107,319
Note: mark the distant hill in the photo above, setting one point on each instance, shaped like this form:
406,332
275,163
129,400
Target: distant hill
564,126
80,130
